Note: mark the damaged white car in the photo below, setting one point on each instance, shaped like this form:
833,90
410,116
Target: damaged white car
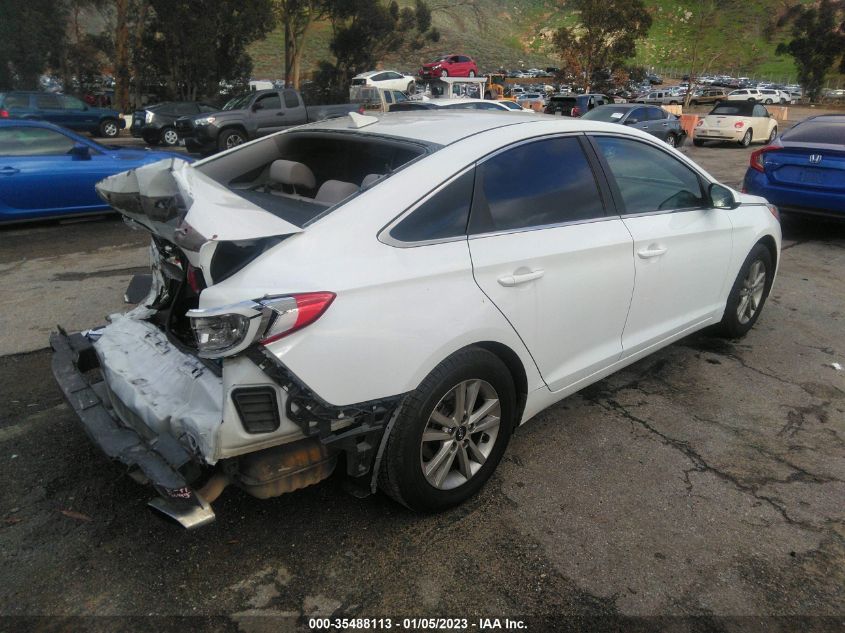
392,296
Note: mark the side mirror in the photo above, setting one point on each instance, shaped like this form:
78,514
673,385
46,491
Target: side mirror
631,121
80,151
721,197
257,106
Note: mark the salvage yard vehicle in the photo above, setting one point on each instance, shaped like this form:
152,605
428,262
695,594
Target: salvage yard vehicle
249,116
709,96
156,123
384,79
660,97
574,105
739,122
803,171
393,295
460,104
449,66
47,171
63,110
656,121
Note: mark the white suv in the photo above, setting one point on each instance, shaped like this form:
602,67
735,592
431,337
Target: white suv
745,94
394,295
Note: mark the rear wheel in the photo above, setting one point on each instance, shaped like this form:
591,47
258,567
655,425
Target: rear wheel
748,294
746,139
169,137
450,433
444,73
672,140
412,88
698,142
769,102
109,128
472,73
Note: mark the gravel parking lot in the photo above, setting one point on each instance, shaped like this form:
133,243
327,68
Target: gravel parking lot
707,480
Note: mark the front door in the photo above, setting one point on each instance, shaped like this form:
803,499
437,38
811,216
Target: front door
268,115
682,247
547,255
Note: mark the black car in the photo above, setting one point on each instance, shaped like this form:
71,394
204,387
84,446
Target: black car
156,123
575,105
652,119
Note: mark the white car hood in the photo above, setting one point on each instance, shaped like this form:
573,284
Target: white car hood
176,201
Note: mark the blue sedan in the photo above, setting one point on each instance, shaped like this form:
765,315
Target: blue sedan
803,171
47,171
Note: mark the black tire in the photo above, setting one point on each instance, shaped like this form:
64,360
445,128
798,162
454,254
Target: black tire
412,88
769,102
672,140
774,134
230,138
472,73
168,137
746,139
401,473
109,128
730,325
698,142
444,73
673,103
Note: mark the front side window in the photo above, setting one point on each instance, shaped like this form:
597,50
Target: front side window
648,178
536,184
270,102
442,216
638,115
33,141
657,114
72,103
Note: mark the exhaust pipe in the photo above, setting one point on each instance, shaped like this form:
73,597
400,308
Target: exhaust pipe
192,516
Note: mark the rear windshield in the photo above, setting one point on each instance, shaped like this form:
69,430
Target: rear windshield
313,171
817,131
608,114
563,100
738,109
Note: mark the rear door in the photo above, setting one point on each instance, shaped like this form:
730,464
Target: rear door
547,254
659,123
77,115
682,247
50,109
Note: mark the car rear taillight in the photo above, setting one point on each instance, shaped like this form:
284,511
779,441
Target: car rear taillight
576,111
361,110
309,307
4,113
774,211
739,125
195,281
758,157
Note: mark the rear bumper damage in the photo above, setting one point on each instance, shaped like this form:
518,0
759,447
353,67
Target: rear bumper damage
152,458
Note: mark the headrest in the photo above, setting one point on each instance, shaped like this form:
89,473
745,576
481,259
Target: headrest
370,179
289,172
333,191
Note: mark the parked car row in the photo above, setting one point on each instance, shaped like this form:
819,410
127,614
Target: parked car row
64,110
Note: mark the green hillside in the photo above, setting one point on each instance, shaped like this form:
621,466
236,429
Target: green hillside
510,34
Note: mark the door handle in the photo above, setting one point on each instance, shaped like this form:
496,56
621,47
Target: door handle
9,171
651,251
280,114
522,278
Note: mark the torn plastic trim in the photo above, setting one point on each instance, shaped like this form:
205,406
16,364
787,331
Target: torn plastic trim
314,416
176,201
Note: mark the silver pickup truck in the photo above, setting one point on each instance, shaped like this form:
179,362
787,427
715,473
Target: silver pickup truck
249,116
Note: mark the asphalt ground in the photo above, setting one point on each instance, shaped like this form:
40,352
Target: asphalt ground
700,489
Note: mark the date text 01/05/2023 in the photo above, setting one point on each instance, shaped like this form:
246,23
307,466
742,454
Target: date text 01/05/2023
416,624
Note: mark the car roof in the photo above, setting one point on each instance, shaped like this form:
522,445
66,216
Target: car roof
439,127
448,101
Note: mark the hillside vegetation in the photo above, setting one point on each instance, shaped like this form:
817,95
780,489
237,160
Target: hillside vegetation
741,40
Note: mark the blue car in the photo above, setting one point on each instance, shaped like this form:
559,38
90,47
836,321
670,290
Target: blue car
62,110
47,171
803,171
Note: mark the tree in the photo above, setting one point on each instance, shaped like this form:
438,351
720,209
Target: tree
363,32
703,15
818,42
32,37
605,36
193,45
297,16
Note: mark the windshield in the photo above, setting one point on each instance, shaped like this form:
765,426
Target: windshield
237,103
608,114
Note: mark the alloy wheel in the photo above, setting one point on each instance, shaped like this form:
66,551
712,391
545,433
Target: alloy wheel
233,140
460,434
170,137
110,129
751,293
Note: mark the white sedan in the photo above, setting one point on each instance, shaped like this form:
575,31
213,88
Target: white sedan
739,122
503,105
386,79
396,294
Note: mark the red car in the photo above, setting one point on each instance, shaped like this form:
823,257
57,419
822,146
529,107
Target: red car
450,66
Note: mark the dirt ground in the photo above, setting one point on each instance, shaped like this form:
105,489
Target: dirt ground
707,480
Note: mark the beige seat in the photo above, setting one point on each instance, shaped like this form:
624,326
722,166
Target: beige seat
291,175
370,179
333,191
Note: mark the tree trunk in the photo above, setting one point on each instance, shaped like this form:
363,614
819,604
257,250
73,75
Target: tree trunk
121,47
137,72
289,48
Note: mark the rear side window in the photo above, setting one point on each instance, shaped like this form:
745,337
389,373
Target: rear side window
16,101
536,184
649,179
442,216
47,102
